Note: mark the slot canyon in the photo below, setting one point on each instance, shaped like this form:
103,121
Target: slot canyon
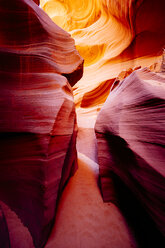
82,124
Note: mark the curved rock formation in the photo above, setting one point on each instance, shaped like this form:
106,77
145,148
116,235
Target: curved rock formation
38,127
16,234
131,143
38,123
111,36
114,37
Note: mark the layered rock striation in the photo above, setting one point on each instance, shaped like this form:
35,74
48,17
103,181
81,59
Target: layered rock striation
131,149
38,66
115,38
38,129
111,36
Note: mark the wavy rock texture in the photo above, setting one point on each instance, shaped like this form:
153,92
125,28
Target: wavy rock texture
111,36
38,123
131,144
115,37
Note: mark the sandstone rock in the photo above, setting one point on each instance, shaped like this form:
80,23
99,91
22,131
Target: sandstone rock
38,123
131,143
37,1
111,36
4,233
17,235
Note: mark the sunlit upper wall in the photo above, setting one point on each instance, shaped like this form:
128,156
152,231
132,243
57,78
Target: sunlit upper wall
72,14
98,26
111,36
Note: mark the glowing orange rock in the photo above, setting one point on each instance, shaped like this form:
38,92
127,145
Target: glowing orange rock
114,37
111,36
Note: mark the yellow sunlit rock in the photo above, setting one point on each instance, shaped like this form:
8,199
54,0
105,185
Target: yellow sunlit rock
107,34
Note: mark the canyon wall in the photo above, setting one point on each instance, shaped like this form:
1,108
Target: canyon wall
112,36
130,135
116,38
38,65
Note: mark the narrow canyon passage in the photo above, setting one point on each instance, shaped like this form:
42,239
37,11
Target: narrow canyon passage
82,83
102,31
83,219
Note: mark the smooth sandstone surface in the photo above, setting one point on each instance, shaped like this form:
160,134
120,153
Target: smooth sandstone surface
130,136
114,38
111,36
16,234
38,127
83,219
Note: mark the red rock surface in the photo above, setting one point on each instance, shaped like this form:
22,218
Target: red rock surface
16,234
114,37
130,131
38,123
37,1
4,233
